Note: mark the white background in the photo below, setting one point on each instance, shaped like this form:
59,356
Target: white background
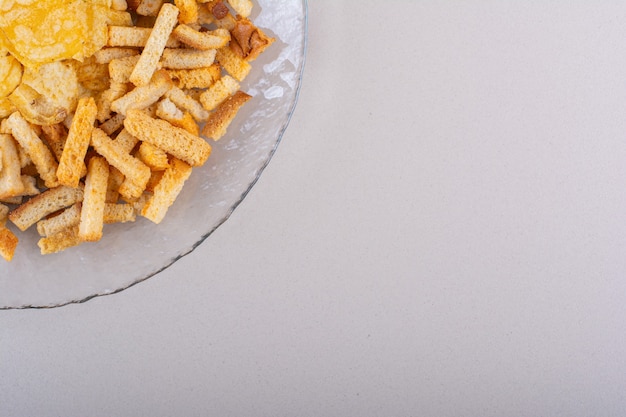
441,233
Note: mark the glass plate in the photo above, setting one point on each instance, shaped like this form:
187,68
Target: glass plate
133,252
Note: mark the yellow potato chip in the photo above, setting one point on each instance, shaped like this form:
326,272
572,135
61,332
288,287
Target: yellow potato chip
45,31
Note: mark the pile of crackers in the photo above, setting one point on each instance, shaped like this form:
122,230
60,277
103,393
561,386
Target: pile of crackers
116,136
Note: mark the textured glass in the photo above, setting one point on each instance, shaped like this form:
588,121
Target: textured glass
132,252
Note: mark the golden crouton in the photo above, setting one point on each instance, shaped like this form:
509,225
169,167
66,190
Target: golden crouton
166,191
149,58
92,211
221,118
173,140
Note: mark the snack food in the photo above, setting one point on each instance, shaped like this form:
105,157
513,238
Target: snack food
110,129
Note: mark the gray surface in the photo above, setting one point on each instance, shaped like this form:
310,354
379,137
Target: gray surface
440,234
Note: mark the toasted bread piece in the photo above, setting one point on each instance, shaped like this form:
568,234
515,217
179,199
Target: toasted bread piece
235,65
197,77
11,183
180,58
248,41
149,59
218,92
201,40
149,7
134,37
185,102
166,191
242,7
55,136
113,188
128,165
188,10
121,68
73,157
119,213
112,125
125,141
205,17
155,158
223,115
46,203
59,242
119,5
106,55
92,211
115,91
168,111
119,18
53,225
8,240
173,140
145,95
30,186
36,149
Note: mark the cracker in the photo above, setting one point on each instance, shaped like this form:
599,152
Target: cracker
145,95
46,203
128,165
53,225
218,92
166,191
235,65
147,64
59,242
73,157
36,149
173,140
223,115
242,7
201,40
175,58
11,184
185,102
92,211
197,77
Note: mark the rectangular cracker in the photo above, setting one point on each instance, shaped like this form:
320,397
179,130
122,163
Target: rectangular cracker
72,162
134,37
173,140
46,203
218,92
220,119
92,211
201,40
119,213
11,184
241,7
188,10
59,242
166,191
53,225
235,65
128,165
39,153
145,95
187,58
160,33
196,77
106,55
155,158
149,7
185,102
